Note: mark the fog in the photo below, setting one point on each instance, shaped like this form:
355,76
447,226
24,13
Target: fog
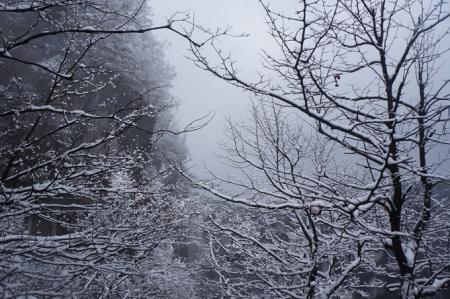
200,93
333,180
197,91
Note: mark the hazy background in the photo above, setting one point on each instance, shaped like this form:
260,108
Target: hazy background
198,91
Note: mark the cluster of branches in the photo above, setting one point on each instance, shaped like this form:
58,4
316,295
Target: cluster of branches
86,194
369,78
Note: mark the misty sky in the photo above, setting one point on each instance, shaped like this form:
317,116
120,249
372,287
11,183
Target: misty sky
198,91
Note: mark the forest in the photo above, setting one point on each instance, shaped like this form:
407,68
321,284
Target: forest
336,184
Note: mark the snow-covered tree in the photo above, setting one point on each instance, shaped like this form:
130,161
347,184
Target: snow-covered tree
86,194
370,78
284,238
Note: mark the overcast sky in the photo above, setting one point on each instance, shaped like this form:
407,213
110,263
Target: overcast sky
198,91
